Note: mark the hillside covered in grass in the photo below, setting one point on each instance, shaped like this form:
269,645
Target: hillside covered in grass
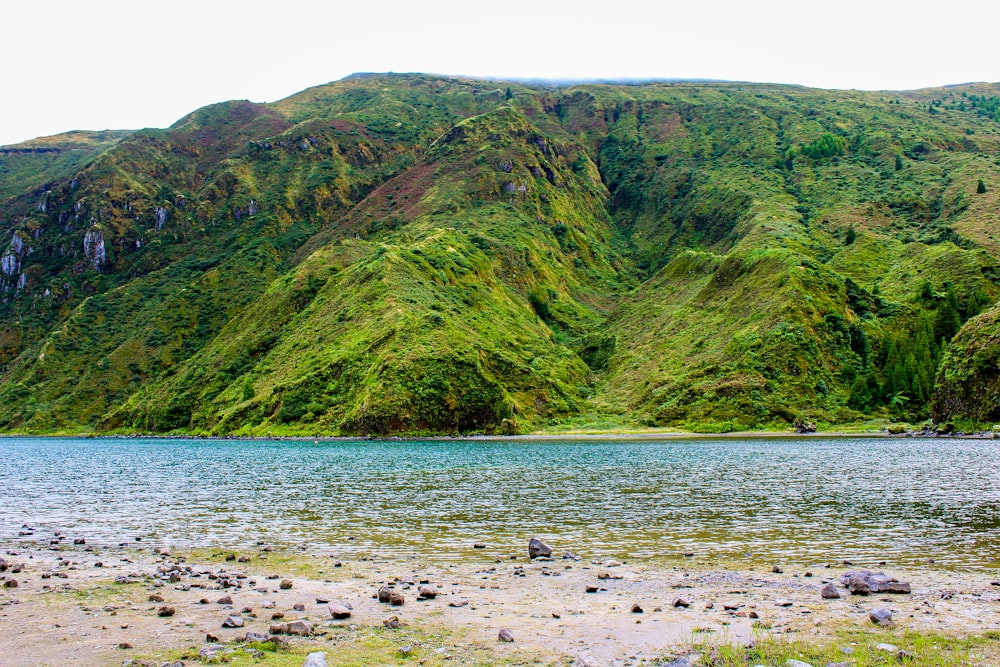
417,254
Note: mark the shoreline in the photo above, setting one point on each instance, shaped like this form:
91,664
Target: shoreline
102,606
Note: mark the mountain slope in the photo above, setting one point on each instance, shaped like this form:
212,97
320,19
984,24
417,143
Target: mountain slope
409,253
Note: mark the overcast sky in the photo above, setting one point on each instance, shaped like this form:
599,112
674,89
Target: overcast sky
97,64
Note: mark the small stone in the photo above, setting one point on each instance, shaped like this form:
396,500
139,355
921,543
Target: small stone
478,545
796,663
207,653
460,602
776,569
396,599
277,616
753,614
211,639
636,608
155,598
298,606
880,616
384,594
392,622
612,563
537,548
285,584
10,583
166,611
124,646
254,637
592,589
316,659
426,593
233,621
887,648
784,603
225,599
898,587
339,611
681,602
505,635
829,592
79,540
405,650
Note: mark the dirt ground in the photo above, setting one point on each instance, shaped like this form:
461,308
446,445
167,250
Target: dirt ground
84,605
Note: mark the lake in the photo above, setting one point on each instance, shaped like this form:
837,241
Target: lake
808,500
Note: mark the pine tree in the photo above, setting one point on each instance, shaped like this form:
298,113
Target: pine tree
948,321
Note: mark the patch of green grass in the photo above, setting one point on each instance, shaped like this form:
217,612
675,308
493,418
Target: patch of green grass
859,648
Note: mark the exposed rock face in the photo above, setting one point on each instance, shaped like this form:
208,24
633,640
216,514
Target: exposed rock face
161,217
94,249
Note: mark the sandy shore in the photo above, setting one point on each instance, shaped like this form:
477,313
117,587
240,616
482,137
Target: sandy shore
102,606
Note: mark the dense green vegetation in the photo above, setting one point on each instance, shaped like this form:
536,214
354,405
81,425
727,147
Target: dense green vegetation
418,254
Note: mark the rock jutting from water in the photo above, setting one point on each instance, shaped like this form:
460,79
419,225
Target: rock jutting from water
538,549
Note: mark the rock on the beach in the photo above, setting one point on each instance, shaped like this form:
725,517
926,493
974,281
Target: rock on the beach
796,663
396,599
880,616
225,599
829,592
537,548
384,594
587,659
285,584
339,611
166,611
636,608
460,602
317,659
887,648
233,621
301,628
505,635
683,661
681,602
10,583
863,582
426,593
392,622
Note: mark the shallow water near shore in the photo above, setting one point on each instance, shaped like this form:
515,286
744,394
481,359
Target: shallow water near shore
808,500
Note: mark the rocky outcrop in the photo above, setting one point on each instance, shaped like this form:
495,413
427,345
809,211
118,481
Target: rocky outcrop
94,248
968,382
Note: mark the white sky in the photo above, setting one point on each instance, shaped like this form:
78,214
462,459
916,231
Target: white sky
97,64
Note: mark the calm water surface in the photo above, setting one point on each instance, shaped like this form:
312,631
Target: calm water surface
805,500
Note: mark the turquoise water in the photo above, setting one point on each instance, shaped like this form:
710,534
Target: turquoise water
808,500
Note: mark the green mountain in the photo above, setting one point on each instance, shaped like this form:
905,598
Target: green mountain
418,254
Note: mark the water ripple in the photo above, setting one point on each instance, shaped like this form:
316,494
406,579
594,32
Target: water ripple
807,500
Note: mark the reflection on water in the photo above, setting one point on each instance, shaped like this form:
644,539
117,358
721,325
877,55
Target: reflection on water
807,500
